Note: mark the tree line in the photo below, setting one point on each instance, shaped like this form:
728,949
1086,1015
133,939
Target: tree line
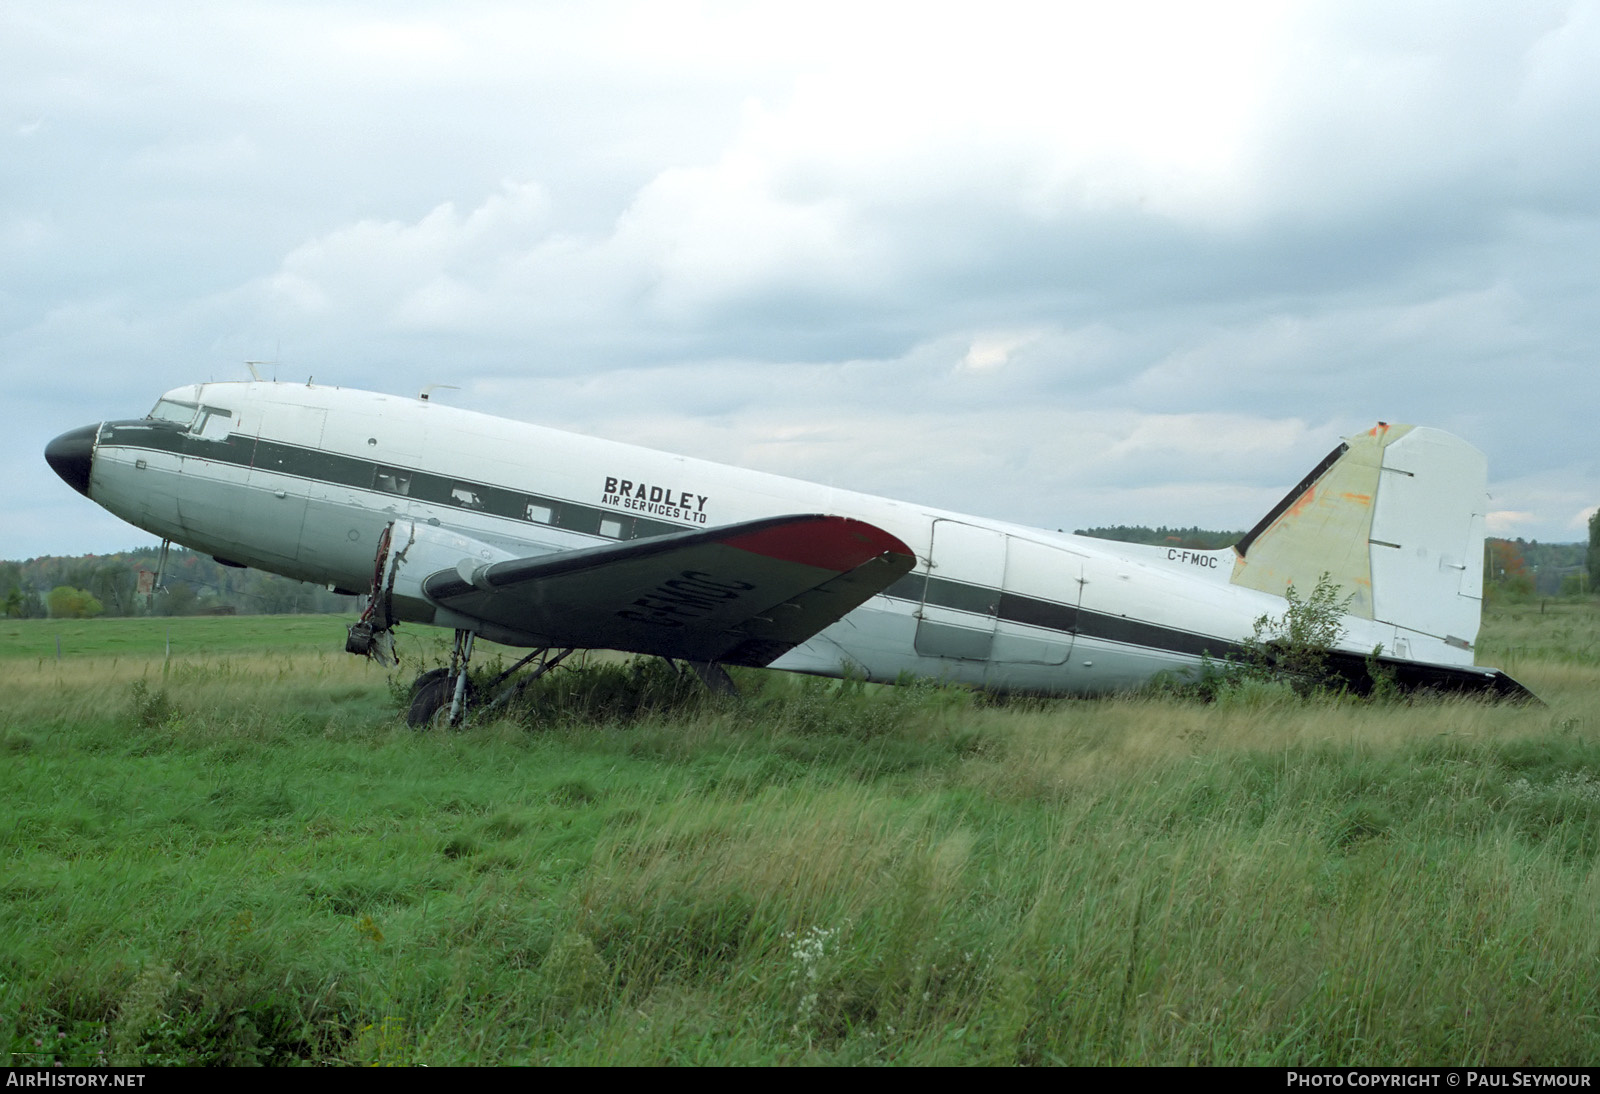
191,584
1193,538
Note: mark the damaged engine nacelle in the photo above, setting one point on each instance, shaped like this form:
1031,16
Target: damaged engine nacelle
408,553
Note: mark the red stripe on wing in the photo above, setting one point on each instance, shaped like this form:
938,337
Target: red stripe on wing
828,543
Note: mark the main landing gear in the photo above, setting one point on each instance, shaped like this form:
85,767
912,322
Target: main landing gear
445,695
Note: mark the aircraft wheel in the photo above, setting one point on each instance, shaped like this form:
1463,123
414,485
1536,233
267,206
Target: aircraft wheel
427,678
430,699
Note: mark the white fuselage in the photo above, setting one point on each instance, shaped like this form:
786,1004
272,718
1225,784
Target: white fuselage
302,480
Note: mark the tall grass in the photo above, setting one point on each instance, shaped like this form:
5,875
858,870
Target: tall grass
238,857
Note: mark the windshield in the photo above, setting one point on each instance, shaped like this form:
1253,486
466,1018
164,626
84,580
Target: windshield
169,410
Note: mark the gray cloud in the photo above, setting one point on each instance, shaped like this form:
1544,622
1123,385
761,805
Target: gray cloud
1055,264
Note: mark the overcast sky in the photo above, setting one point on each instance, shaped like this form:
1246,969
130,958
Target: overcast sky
1063,264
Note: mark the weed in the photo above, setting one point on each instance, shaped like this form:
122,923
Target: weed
142,1025
1284,658
151,709
609,693
1294,646
1385,688
810,974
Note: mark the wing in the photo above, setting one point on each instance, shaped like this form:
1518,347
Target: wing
741,594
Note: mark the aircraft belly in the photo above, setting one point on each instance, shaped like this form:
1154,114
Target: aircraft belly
948,634
213,504
338,544
871,642
1030,678
273,521
1103,667
145,496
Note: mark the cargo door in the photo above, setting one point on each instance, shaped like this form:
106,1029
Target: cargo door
1039,605
961,599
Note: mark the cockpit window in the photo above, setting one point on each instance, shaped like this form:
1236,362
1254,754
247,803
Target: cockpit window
170,410
215,423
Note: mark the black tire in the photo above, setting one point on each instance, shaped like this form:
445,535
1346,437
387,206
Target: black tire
422,681
429,699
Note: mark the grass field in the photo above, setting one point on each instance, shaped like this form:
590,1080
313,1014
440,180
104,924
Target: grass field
236,854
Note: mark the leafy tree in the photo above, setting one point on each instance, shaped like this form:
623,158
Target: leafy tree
68,603
1286,656
180,599
1505,569
1294,646
1594,551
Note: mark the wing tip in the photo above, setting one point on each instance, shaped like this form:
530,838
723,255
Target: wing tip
826,542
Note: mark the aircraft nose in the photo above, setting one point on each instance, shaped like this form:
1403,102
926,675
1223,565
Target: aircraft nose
70,455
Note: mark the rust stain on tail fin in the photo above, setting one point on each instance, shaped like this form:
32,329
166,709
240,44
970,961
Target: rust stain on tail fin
1322,526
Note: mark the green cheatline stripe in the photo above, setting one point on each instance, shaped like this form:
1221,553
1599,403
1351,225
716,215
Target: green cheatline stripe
1053,616
315,465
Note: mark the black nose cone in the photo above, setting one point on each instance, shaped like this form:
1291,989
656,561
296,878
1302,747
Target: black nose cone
69,456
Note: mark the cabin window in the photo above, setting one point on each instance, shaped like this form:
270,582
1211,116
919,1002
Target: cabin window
540,514
392,480
170,410
215,424
465,496
610,528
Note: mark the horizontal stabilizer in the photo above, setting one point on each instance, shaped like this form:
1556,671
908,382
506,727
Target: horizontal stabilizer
1356,671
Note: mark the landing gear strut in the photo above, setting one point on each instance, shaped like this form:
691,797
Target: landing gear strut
430,694
438,689
460,654
714,677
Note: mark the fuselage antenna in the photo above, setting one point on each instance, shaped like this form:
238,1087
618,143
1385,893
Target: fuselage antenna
431,388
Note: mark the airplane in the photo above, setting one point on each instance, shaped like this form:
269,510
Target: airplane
552,541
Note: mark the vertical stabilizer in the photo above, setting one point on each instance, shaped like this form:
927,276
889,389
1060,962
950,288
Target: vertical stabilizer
1395,516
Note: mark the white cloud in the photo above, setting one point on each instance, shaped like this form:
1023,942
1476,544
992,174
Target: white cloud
706,238
992,351
383,270
1506,522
